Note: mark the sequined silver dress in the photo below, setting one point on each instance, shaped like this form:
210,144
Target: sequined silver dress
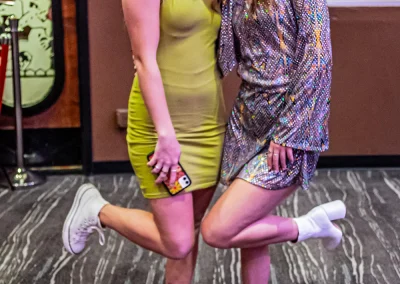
284,58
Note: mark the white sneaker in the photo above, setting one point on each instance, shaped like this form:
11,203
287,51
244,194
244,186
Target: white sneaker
82,220
317,224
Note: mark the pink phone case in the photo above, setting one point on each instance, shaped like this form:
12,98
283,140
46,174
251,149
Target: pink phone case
182,180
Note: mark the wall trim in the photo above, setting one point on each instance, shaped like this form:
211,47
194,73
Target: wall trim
324,162
112,167
386,161
84,85
363,3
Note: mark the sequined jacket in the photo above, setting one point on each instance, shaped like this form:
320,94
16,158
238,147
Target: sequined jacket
285,49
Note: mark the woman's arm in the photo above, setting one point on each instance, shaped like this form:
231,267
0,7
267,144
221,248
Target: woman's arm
228,52
142,21
303,123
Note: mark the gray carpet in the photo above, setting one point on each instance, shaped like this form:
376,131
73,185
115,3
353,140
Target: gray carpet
31,248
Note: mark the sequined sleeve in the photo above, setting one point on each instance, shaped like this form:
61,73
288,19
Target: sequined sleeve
227,52
303,123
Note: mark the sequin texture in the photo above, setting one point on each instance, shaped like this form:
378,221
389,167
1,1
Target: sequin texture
284,58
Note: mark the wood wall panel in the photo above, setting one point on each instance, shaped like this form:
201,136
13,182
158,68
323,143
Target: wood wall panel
65,112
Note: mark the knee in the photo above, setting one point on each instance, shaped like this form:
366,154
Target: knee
214,234
178,247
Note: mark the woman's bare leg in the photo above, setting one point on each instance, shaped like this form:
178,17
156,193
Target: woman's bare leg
255,265
181,271
168,230
240,218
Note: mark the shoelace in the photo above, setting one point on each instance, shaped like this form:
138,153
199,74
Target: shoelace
83,234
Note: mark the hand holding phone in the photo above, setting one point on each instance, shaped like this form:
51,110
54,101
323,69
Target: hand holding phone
182,180
166,157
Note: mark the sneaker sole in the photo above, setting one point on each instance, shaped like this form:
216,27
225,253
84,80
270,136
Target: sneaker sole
71,214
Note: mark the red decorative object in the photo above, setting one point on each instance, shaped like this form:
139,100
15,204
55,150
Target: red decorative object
3,66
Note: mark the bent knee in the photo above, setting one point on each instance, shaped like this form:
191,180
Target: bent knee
179,247
215,235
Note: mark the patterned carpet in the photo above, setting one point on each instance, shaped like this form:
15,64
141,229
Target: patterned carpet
31,248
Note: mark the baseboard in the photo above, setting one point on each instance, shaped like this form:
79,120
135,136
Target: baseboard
44,147
112,167
63,170
359,161
324,162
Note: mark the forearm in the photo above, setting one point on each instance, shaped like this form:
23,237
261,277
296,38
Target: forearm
142,22
153,95
303,122
142,18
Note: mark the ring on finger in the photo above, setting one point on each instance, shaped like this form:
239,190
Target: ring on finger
157,167
276,154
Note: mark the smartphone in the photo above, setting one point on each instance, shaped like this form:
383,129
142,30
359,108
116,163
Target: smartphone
182,180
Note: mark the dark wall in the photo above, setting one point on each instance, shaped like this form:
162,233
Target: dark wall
111,75
365,91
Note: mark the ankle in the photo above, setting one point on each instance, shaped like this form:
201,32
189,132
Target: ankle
304,228
104,217
295,231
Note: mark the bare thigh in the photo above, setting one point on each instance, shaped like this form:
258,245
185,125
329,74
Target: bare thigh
243,204
176,216
181,271
174,219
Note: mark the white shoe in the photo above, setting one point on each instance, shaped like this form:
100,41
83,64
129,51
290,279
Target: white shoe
317,224
82,220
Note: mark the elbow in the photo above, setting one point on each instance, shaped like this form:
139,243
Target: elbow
138,62
328,59
325,65
329,63
143,63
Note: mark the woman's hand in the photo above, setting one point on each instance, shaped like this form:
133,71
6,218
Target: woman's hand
144,33
166,157
278,155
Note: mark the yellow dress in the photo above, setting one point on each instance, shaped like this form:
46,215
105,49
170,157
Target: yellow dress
186,57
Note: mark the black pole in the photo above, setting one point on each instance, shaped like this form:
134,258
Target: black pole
20,177
17,91
84,85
